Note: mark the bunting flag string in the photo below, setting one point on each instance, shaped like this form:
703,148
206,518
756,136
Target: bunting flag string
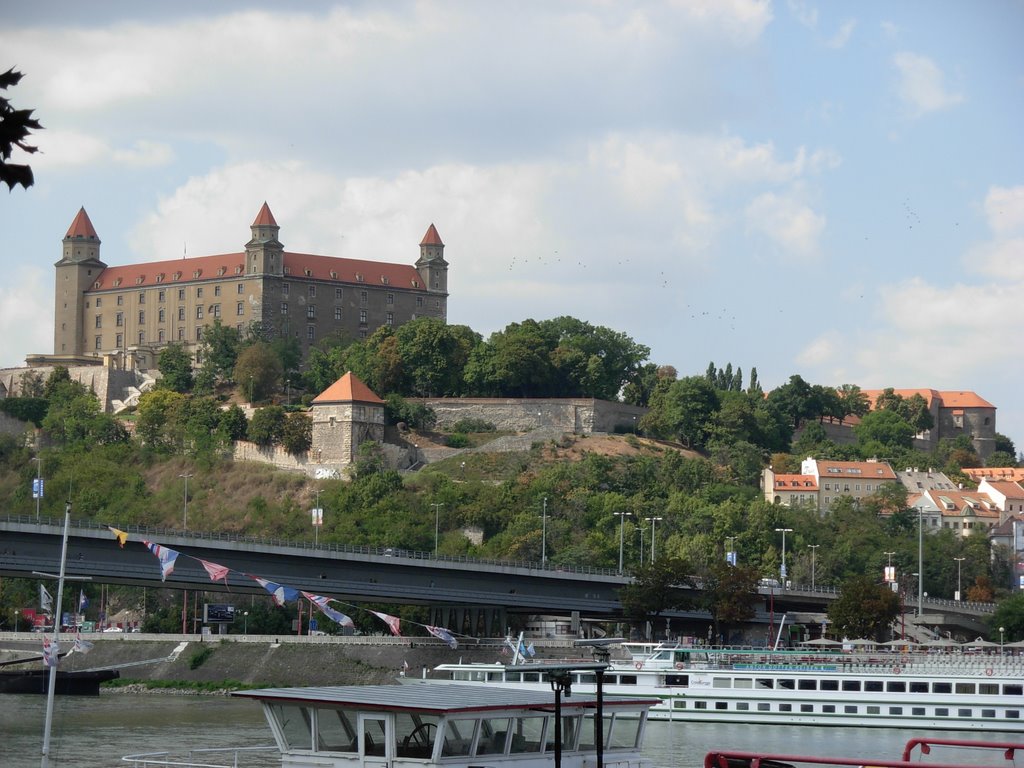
282,593
51,653
81,646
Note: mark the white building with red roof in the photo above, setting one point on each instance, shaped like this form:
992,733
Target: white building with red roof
822,483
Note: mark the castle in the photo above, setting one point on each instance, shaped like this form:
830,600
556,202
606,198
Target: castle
131,312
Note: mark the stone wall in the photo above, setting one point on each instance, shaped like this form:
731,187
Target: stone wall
109,381
12,426
579,416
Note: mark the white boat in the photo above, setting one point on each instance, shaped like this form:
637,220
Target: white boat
890,688
426,724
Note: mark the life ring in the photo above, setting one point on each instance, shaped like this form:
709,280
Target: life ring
639,665
679,665
988,671
896,670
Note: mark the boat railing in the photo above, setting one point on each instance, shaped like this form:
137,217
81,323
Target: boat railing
226,757
730,758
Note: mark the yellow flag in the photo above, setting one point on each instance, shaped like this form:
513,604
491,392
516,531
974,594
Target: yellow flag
121,536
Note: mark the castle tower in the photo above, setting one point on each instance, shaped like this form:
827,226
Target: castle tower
78,268
264,254
433,270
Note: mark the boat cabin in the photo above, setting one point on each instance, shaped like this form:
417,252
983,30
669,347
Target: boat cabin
429,723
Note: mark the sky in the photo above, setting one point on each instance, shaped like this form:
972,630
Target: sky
834,190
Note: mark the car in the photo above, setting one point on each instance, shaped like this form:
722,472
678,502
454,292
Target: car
113,629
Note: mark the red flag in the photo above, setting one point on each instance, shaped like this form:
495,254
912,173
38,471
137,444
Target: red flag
216,572
393,622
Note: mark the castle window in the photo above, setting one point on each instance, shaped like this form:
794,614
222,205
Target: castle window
199,312
142,297
215,310
119,319
160,277
337,313
311,311
337,293
284,289
312,291
199,292
142,337
99,302
221,271
334,275
181,313
181,294
120,340
239,269
160,337
362,316
385,279
197,273
241,288
359,277
216,290
310,332
142,316
362,297
181,334
419,301
390,318
284,307
362,334
120,301
160,315
117,282
199,333
390,298
415,283
97,284
176,276
240,308
140,279
99,342
308,273
161,295
99,321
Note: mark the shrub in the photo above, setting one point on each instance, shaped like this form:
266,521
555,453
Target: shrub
472,425
200,656
457,440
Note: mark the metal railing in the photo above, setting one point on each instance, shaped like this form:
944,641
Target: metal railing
264,755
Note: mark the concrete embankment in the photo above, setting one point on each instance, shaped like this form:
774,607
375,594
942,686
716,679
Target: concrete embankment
266,661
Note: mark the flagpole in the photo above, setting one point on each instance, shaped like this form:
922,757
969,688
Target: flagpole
56,639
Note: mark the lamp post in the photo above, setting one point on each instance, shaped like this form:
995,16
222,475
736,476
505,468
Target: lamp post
958,593
544,534
184,518
920,560
730,555
1001,630
640,530
652,520
37,488
437,522
245,622
782,570
622,524
318,519
15,620
814,551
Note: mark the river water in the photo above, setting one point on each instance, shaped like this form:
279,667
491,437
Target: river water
96,732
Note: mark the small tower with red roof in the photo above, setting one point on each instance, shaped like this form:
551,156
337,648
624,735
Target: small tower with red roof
78,268
345,415
433,270
264,253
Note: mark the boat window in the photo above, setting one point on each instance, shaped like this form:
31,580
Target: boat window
527,734
375,736
965,687
851,685
681,680
895,710
721,682
829,685
294,722
828,709
787,683
742,682
917,711
763,706
896,686
415,734
587,740
458,738
918,686
785,707
1013,689
514,677
988,689
587,679
700,705
850,709
807,685
873,710
1012,714
493,733
336,730
964,713
941,712
570,730
942,688
531,677
742,706
627,679
721,705
679,704
988,713
765,683
495,676
872,685
625,734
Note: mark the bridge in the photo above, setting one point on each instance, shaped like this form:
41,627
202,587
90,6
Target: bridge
454,587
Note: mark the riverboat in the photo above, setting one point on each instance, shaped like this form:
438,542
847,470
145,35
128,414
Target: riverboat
426,724
73,683
894,688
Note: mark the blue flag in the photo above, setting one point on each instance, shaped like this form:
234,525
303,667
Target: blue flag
83,601
443,634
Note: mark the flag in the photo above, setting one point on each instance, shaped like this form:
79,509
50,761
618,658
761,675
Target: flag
45,600
443,634
530,650
323,603
508,647
82,646
394,623
405,665
216,572
281,593
121,536
83,601
165,556
51,653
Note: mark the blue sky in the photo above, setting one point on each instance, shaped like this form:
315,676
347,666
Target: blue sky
829,189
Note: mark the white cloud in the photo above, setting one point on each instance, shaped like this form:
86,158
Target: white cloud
1004,207
820,351
73,149
922,85
790,224
28,328
842,35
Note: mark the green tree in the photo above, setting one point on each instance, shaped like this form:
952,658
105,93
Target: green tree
886,428
434,356
258,372
853,401
996,459
513,362
15,127
864,608
1009,615
175,366
657,587
219,349
684,412
795,400
159,421
728,593
267,425
297,433
30,409
1002,442
234,423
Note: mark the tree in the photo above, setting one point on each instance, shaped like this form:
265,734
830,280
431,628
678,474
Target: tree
1009,615
219,349
796,400
886,428
160,419
728,593
864,608
434,356
297,433
267,425
234,423
656,588
683,412
258,372
853,401
15,127
175,366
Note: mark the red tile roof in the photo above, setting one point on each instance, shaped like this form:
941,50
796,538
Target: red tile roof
1008,488
946,398
431,238
348,389
981,505
995,473
855,469
82,227
264,218
794,482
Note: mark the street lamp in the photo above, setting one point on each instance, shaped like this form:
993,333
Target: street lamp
958,593
783,531
814,551
184,518
920,560
544,534
37,488
652,520
1001,630
245,622
730,554
437,521
622,522
15,620
640,530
